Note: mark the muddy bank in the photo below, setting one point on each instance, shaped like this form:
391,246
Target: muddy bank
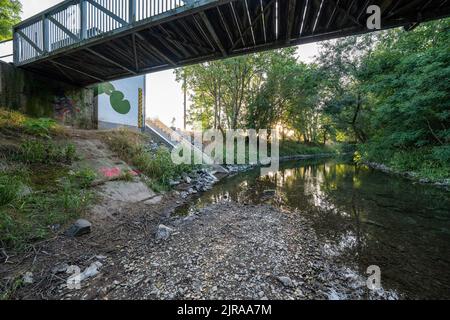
408,175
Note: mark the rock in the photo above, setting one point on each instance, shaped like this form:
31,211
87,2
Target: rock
154,200
25,191
28,278
269,192
190,218
286,281
89,272
60,268
79,228
92,270
163,232
173,183
187,179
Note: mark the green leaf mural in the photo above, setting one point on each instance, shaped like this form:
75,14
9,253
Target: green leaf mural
118,103
106,88
116,98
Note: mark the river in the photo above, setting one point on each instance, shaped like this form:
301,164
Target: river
362,217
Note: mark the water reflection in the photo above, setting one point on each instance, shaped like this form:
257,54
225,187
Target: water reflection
362,217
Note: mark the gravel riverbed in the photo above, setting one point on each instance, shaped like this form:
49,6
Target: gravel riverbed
225,251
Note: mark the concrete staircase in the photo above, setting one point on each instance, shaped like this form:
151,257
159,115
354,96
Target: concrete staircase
171,138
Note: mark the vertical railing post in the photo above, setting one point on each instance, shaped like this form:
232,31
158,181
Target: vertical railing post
46,33
15,47
132,4
83,22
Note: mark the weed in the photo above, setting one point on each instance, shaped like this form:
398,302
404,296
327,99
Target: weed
37,151
82,178
10,187
41,127
158,166
126,176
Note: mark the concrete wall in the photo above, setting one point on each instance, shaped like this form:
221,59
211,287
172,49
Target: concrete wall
38,96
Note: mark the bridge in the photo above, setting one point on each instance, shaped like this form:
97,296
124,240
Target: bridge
89,41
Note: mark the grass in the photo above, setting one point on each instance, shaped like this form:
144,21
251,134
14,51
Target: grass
48,152
430,163
39,193
10,288
28,217
13,121
157,166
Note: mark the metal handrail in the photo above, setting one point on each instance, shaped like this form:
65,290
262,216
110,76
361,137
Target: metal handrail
73,21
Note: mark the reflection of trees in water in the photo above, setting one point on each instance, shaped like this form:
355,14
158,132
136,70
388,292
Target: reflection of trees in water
363,217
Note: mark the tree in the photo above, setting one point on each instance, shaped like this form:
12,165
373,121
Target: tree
408,77
10,11
345,100
220,90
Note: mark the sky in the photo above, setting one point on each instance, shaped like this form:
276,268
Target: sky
163,96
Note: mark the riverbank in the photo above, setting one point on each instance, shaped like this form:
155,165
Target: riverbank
407,174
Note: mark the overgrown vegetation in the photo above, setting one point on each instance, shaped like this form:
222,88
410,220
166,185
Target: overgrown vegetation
28,215
39,193
157,166
290,147
387,92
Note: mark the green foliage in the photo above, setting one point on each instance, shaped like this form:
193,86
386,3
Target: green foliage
40,127
9,16
158,166
9,188
34,216
390,92
289,147
46,152
82,178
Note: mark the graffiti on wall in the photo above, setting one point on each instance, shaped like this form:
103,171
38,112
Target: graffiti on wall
66,106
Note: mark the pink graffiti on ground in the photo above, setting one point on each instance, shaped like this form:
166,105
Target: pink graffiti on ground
114,172
110,172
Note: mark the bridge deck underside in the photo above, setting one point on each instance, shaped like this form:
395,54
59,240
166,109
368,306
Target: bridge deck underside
226,29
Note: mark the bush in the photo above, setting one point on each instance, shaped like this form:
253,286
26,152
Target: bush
290,147
82,178
41,127
429,163
158,167
11,119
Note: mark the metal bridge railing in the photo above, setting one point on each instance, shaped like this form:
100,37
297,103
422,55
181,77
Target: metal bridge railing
73,21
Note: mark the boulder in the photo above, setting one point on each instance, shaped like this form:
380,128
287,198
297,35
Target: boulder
163,232
79,228
286,281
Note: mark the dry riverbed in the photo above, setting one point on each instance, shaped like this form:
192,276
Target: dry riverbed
226,251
